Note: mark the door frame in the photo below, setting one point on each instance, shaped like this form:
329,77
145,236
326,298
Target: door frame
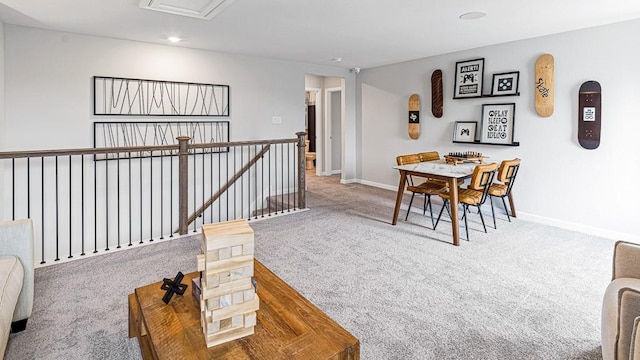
328,127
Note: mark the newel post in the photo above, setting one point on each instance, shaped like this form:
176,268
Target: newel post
302,201
183,184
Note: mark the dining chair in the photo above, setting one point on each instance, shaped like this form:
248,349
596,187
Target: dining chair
427,187
506,176
475,194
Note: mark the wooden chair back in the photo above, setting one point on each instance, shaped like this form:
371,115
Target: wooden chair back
482,178
408,159
429,156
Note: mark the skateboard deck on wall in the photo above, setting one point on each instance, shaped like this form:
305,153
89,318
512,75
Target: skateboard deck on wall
414,116
544,85
436,93
589,110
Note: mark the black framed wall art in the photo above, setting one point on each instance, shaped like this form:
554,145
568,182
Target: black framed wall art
497,123
505,83
464,131
468,80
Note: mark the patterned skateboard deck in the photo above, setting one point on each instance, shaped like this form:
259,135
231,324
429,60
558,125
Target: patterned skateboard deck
544,85
414,116
436,93
589,110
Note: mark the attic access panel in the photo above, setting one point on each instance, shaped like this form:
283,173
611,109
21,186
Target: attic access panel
201,9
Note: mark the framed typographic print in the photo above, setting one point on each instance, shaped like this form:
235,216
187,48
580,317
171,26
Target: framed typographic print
497,123
468,79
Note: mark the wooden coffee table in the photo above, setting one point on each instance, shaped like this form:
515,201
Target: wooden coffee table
289,326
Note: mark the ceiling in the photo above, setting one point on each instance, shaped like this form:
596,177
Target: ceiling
363,33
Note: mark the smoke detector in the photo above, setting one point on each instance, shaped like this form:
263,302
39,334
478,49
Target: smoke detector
200,9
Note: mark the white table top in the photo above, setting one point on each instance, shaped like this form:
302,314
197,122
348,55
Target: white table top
441,168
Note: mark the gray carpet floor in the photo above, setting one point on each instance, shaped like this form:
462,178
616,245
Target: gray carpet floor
522,291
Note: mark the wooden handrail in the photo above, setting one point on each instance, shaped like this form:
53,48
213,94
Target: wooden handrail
224,188
128,149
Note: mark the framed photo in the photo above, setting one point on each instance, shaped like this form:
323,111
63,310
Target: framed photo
497,123
464,131
468,78
505,83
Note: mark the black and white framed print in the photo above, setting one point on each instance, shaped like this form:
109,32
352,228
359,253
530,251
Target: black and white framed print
497,123
469,76
505,83
464,131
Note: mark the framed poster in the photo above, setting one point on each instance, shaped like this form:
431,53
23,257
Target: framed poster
468,79
464,131
505,83
497,123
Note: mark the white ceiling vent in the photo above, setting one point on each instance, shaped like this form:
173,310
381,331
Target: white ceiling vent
201,9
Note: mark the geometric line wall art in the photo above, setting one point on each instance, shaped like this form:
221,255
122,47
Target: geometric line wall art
127,134
139,97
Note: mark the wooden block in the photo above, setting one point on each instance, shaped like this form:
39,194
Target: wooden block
225,323
227,288
225,277
247,306
241,273
250,319
236,250
212,255
226,300
237,321
212,279
212,304
247,249
230,264
224,253
249,294
201,261
227,234
237,297
226,336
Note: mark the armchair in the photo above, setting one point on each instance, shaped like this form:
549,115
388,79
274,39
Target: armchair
620,335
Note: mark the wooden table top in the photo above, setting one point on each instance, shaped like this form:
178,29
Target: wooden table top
288,326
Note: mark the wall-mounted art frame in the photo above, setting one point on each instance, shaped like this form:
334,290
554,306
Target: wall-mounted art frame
468,80
497,123
464,131
152,133
505,83
140,97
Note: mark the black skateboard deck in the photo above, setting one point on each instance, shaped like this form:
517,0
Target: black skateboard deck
436,93
414,116
589,112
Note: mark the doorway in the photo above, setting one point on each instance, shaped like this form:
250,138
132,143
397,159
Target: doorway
326,138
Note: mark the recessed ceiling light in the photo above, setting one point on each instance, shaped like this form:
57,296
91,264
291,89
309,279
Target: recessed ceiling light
473,15
174,39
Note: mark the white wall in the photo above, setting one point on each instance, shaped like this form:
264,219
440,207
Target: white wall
559,183
49,81
2,117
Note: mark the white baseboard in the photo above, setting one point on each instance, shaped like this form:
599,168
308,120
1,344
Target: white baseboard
538,219
591,230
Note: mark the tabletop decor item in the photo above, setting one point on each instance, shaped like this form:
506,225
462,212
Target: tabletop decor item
497,123
173,287
228,298
468,80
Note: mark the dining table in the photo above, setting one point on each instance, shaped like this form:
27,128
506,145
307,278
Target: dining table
439,170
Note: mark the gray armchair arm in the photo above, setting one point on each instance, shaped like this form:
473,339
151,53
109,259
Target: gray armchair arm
626,260
16,238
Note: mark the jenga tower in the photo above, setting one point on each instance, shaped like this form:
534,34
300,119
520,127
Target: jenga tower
228,300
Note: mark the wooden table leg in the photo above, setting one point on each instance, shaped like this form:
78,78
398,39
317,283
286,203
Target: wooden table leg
511,205
403,179
453,199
